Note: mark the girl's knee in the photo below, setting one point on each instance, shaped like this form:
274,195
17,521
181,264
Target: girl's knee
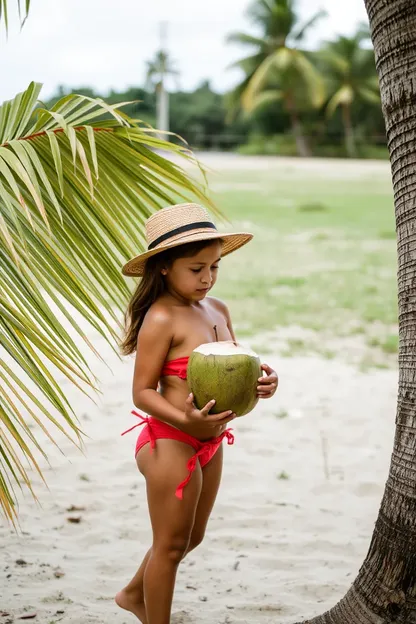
173,549
197,538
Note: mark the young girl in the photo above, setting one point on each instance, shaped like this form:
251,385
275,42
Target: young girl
179,450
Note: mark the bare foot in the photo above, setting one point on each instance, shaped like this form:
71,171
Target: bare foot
126,601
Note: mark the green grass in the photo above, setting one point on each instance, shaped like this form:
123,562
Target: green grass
282,413
323,255
312,207
389,344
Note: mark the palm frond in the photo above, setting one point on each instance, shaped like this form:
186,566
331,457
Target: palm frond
303,30
311,77
75,191
278,62
249,64
266,98
334,62
4,16
245,39
344,96
350,71
372,96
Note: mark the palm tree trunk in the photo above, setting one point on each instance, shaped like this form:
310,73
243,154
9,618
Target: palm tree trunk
385,589
162,110
301,141
163,121
349,131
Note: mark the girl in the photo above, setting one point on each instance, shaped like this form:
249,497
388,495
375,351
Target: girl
179,450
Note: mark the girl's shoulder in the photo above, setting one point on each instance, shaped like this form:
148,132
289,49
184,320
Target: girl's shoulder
218,304
159,313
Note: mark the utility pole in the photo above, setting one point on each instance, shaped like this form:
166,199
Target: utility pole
163,95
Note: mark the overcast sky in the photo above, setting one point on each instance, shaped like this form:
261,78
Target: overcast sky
105,44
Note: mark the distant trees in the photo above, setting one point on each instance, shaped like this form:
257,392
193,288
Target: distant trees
288,101
159,70
278,70
350,75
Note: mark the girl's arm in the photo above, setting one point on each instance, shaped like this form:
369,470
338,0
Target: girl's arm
153,344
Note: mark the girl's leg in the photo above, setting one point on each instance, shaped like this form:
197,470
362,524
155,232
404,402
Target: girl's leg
132,596
211,475
211,479
172,521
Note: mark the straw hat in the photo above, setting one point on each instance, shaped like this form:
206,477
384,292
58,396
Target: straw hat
178,225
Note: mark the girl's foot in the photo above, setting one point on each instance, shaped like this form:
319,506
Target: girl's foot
129,603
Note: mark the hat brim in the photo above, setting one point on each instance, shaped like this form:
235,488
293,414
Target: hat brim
231,242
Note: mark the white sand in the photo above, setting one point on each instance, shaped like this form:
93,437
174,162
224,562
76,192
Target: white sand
277,550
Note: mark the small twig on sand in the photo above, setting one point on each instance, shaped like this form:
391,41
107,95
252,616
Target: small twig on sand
324,442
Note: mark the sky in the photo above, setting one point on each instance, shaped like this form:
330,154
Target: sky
105,44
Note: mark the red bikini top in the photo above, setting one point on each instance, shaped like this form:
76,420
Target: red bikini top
175,368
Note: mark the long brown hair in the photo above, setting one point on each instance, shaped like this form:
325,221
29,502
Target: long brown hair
151,287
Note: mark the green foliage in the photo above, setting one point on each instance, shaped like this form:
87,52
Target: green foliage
389,344
23,7
277,145
313,207
276,68
159,68
200,118
206,119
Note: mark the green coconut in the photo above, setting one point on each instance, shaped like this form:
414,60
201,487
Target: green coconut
225,372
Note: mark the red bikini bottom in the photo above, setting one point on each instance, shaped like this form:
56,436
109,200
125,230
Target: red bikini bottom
204,450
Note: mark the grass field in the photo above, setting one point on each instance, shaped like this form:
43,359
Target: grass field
323,257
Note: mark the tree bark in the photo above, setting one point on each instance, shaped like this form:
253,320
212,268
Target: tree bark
349,131
385,589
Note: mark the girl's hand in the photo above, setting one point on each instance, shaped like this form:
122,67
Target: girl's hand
194,415
267,385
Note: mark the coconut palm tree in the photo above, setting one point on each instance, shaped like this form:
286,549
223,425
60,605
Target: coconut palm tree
351,76
74,193
384,591
158,70
277,69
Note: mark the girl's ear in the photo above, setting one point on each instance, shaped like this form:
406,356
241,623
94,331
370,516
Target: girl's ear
164,271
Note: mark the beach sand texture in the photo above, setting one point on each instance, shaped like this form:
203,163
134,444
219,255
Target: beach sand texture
300,494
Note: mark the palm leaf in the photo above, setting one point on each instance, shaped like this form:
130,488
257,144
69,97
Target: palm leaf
344,96
301,33
4,12
267,97
311,77
370,95
233,99
243,38
74,195
279,61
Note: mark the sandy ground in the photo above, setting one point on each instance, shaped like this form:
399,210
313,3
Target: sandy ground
300,494
318,168
293,520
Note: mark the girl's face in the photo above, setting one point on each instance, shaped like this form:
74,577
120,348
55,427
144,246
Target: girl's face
192,278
